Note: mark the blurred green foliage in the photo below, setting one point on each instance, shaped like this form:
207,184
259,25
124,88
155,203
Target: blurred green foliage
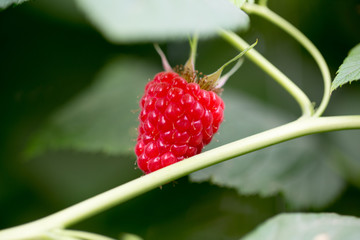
102,118
308,226
51,55
6,3
125,21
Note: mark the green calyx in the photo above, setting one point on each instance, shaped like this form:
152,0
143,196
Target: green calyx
212,82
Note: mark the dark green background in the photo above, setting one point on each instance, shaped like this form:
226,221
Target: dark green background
48,54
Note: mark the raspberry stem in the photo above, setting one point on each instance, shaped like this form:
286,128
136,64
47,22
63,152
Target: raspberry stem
271,16
303,101
127,191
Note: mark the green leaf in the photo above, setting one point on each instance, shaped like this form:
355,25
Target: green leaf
302,226
297,169
102,118
210,213
159,20
6,3
350,69
345,144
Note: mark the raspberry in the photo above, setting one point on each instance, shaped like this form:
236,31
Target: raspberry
180,112
177,119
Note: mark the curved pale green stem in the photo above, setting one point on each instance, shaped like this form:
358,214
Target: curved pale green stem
300,97
106,200
269,15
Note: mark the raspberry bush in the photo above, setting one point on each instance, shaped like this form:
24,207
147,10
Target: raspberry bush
86,141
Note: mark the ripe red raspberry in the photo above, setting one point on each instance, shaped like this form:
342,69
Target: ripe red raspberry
177,119
180,113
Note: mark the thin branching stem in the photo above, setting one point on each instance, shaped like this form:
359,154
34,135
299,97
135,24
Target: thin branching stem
269,15
300,97
106,200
